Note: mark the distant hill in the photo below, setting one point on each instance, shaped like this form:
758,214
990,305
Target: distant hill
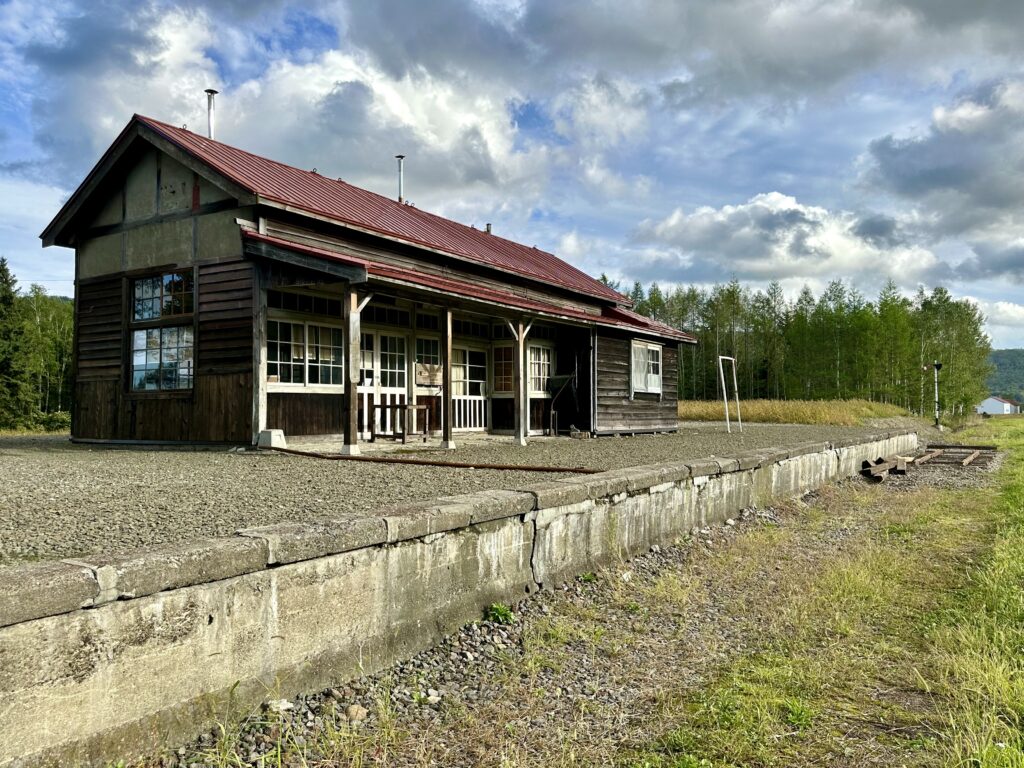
1007,379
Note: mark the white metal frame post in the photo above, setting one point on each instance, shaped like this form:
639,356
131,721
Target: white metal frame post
725,392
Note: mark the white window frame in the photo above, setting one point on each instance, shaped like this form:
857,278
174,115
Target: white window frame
305,387
460,371
511,391
652,382
550,349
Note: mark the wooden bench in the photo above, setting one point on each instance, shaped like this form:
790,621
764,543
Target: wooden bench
402,414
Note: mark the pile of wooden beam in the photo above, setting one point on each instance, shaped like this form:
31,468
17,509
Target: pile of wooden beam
936,453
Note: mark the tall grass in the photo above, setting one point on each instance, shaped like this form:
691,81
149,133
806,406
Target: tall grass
980,644
844,413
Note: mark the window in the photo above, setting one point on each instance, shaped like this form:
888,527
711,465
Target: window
469,372
163,344
325,358
374,314
462,327
428,351
428,322
392,361
504,369
304,354
169,295
366,359
162,358
305,303
646,376
428,362
540,368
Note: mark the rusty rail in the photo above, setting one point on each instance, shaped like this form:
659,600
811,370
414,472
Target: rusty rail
435,463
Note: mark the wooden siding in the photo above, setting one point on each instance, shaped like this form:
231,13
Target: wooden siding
226,300
100,309
305,414
645,412
219,406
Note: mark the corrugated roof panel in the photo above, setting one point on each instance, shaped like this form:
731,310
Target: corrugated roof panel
347,204
612,317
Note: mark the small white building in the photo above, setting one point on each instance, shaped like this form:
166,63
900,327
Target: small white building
997,406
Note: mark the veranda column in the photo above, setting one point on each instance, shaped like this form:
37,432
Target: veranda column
446,380
350,315
519,384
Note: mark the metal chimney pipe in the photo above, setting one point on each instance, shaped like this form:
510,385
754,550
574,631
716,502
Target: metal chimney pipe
210,93
401,180
488,227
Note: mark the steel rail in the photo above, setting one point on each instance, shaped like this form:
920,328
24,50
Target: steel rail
435,463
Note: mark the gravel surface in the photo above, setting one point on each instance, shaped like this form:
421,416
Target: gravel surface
63,500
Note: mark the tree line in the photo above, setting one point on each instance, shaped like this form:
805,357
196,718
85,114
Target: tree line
36,332
837,345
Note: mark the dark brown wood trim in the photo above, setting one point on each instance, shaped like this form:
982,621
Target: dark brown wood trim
113,229
349,273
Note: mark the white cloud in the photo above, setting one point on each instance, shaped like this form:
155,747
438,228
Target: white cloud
773,236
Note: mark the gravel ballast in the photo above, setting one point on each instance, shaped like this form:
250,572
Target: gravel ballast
58,499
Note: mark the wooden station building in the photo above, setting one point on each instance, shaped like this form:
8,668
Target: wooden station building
219,294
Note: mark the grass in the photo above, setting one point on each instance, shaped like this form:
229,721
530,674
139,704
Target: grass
846,413
904,648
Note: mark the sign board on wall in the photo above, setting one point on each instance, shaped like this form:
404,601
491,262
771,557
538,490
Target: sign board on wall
428,375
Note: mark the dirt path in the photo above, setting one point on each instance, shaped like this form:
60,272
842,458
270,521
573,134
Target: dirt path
796,636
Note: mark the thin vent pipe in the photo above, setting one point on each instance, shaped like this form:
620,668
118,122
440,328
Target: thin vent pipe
401,179
210,93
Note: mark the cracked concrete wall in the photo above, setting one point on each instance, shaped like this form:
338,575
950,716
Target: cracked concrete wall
104,657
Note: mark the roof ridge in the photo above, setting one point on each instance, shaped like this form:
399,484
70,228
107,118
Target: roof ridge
233,148
495,251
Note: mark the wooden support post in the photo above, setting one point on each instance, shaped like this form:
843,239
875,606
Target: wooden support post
519,382
259,353
446,380
350,314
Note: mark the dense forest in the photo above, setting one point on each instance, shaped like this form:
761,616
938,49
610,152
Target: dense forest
1007,379
837,345
35,356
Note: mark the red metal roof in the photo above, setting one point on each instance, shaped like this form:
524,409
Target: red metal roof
346,204
610,317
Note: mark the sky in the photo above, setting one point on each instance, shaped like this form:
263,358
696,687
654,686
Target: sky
676,141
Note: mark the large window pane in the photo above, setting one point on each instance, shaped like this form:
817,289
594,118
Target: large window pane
540,368
286,352
503,368
326,355
162,358
166,295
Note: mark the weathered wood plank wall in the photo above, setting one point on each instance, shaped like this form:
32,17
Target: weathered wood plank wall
218,408
645,412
